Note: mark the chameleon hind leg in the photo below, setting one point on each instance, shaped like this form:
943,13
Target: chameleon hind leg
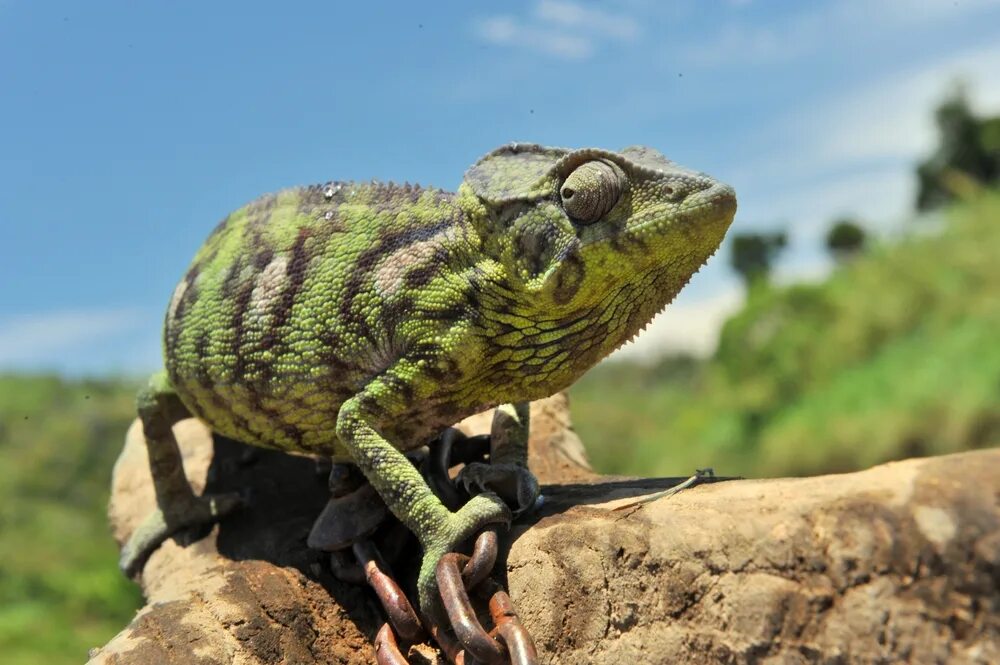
401,486
177,506
507,473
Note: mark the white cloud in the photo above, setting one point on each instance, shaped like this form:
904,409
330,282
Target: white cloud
911,11
49,338
882,194
573,15
854,152
559,28
508,31
892,118
817,27
684,327
749,44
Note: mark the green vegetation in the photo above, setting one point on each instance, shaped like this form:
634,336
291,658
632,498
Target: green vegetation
753,255
60,589
895,355
967,156
845,238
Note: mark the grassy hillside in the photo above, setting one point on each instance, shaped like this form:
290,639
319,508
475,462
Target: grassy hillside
60,589
895,355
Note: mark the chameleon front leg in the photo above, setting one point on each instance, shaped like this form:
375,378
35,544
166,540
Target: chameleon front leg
507,473
177,506
403,489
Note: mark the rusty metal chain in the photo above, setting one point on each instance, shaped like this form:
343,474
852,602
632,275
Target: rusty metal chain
466,641
457,575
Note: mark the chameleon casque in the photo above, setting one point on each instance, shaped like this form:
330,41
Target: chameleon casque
360,320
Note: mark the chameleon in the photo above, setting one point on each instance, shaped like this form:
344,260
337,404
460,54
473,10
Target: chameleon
359,320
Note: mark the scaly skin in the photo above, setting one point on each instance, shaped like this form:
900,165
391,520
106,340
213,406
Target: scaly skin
359,320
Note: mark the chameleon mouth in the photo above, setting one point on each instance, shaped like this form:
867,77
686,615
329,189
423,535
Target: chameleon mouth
718,207
722,199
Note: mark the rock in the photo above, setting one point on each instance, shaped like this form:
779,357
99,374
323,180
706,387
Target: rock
250,591
555,452
897,563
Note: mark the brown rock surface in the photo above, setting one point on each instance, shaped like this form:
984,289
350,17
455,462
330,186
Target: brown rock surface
900,563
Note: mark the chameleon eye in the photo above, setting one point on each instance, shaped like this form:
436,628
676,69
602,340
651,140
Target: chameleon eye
592,190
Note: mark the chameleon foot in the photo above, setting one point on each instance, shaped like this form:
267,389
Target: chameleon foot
480,512
512,482
157,527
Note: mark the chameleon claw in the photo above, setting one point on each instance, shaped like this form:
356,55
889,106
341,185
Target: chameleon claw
512,482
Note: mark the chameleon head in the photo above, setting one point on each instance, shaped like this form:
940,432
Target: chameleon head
579,229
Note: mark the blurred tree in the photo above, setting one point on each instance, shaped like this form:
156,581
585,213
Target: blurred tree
845,238
753,254
968,153
681,368
989,136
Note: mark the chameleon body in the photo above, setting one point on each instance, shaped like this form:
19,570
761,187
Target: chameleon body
359,320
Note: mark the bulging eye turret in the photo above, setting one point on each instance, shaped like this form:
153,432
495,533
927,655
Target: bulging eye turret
592,190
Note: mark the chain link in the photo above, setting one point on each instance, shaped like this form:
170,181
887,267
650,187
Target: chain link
509,641
387,649
401,614
465,641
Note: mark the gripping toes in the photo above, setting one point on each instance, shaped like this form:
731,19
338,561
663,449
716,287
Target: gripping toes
512,482
480,512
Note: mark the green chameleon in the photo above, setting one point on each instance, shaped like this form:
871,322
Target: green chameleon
358,321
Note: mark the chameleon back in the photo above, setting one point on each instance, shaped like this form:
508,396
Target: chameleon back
282,315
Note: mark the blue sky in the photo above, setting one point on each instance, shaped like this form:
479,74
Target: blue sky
130,128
